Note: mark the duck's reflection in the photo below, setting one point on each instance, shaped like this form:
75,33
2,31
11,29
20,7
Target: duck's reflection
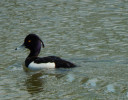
34,83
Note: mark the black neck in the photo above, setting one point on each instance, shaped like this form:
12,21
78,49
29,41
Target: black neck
32,53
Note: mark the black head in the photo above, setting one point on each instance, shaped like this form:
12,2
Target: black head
32,42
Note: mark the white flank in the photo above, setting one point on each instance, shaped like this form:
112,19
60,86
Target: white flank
34,66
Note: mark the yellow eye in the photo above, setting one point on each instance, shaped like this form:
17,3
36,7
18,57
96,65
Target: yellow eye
29,41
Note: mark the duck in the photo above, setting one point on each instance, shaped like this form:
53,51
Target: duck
34,63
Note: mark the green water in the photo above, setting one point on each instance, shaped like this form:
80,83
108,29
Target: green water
90,33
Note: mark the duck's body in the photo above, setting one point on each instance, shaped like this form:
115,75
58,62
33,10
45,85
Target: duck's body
37,63
33,62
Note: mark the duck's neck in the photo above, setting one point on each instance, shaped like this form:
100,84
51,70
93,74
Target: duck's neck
34,53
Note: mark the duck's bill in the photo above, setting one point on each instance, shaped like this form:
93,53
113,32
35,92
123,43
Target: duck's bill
20,47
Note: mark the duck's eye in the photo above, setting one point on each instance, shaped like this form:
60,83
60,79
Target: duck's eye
29,41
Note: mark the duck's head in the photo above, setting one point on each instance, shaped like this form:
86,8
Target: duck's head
33,43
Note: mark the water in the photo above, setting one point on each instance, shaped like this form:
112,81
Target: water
91,34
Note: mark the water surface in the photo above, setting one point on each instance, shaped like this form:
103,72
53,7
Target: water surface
90,33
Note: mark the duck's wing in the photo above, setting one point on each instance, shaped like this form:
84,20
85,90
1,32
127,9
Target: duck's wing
59,63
